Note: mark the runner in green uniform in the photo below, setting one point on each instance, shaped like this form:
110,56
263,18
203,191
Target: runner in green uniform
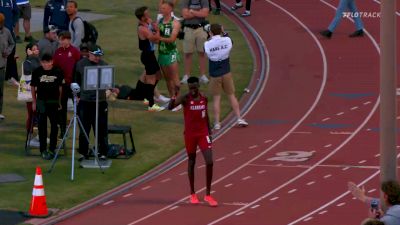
167,49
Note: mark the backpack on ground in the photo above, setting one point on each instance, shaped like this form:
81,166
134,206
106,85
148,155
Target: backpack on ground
90,31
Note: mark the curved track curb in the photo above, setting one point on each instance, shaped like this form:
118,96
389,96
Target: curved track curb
258,80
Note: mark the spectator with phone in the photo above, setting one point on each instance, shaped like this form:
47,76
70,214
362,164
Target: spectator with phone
391,196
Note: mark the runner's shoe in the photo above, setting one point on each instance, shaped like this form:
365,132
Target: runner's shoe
217,126
211,201
161,99
155,108
193,199
246,14
203,79
145,102
237,6
184,79
177,108
242,123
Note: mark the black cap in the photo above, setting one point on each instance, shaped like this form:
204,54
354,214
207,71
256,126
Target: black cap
95,50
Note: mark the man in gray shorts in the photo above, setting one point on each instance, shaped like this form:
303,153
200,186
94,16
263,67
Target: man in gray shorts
25,12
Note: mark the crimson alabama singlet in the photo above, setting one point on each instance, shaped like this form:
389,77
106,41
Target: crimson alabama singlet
195,116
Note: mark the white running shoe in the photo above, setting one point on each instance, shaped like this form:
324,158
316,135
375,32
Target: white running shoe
161,99
34,143
184,79
242,123
2,117
204,79
217,126
177,108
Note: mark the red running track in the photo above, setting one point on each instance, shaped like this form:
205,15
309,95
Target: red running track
318,106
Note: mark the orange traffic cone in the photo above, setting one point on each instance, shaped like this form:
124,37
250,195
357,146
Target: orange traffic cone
38,204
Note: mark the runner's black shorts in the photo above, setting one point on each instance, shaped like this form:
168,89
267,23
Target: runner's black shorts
149,60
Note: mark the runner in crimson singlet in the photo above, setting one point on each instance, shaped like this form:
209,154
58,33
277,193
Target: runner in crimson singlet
197,133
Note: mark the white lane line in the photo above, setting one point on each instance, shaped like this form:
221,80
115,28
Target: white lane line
346,168
322,212
199,167
328,145
362,161
239,213
267,141
279,164
228,185
184,173
326,119
292,191
237,153
363,124
127,195
255,206
165,180
339,114
367,103
109,202
341,204
310,183
301,132
261,171
212,192
377,155
174,207
308,219
220,159
327,176
145,188
274,198
354,108
246,178
372,190
253,146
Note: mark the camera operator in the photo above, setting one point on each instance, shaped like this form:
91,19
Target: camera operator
391,196
87,106
218,49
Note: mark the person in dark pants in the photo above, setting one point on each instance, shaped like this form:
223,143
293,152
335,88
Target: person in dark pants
6,46
239,4
10,10
46,101
65,57
55,13
87,106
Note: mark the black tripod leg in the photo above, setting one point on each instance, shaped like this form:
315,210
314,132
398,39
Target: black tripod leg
91,149
60,145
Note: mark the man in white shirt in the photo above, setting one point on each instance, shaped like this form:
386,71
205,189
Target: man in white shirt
218,49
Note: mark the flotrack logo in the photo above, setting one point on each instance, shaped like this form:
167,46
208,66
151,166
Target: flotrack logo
361,14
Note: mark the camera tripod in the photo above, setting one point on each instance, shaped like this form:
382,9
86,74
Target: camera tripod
73,122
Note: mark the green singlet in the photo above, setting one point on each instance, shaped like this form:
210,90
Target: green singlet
167,52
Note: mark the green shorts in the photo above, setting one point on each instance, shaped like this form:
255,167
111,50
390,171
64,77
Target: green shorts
168,59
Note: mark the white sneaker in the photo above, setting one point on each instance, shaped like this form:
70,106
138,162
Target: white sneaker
161,99
2,117
184,79
242,123
204,79
177,108
34,143
217,126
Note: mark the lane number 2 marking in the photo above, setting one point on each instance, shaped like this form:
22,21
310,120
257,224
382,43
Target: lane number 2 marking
292,156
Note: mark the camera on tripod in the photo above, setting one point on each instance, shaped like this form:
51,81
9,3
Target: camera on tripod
75,88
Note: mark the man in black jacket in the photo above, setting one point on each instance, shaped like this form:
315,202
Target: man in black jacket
87,105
